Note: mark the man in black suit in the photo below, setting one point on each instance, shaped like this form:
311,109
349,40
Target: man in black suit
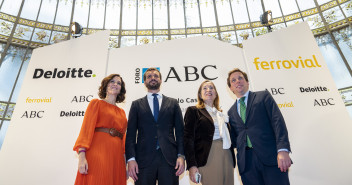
259,133
155,154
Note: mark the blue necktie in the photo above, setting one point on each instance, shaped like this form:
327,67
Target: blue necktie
156,113
156,106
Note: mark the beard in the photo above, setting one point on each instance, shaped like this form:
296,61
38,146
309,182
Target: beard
150,86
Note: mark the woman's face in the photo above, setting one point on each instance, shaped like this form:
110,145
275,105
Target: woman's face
114,86
208,93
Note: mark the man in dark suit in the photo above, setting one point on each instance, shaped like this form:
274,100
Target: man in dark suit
259,133
156,120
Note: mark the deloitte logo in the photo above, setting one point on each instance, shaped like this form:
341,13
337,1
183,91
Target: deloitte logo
69,73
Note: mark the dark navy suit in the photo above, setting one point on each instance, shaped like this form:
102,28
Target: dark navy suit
265,127
143,132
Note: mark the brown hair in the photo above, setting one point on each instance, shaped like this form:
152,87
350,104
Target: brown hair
200,102
151,69
233,71
104,84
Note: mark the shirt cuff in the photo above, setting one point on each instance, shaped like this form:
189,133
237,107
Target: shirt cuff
283,150
131,159
180,155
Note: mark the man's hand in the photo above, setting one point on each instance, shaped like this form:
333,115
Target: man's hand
192,173
283,161
133,169
180,166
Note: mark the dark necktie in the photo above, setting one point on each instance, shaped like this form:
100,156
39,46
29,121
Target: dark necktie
156,106
156,113
243,116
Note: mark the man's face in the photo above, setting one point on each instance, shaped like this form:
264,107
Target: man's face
152,80
239,85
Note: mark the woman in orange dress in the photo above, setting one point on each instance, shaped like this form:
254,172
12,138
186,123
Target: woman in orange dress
101,141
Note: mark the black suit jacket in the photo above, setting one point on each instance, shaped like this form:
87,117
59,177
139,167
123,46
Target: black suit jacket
264,125
143,131
198,137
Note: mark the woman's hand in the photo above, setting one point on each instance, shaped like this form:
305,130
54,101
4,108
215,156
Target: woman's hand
82,163
192,173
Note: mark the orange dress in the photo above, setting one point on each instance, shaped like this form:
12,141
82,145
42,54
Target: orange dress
105,154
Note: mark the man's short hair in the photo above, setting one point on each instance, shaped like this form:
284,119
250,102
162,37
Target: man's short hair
233,71
151,69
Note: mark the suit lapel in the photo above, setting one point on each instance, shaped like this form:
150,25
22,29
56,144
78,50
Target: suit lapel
251,97
237,116
146,106
164,104
206,114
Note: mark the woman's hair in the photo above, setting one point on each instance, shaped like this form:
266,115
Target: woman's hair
200,102
104,84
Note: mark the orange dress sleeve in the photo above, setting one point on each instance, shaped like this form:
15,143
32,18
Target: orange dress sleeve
88,126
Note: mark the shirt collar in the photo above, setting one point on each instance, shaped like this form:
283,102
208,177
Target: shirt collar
210,109
150,95
245,95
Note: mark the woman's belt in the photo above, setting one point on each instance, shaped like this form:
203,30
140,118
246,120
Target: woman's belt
112,131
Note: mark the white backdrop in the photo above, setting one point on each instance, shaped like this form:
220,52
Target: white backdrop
215,58
318,123
39,150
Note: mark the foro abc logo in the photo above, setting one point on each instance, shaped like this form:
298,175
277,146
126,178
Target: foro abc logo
69,73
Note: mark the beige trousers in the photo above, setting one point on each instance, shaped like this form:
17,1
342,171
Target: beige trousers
219,168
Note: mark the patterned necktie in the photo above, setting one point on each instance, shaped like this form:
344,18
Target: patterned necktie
243,116
156,106
156,113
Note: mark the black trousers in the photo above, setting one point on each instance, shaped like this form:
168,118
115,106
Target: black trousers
256,173
159,170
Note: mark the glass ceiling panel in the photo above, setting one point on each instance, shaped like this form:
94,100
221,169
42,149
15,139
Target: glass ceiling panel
239,11
144,14
288,6
207,13
320,2
63,16
255,10
160,14
81,12
347,8
23,32
30,9
47,11
96,18
177,18
274,6
112,19
306,4
223,10
11,7
192,13
333,15
129,16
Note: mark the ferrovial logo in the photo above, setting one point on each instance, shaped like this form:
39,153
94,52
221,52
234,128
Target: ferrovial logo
283,64
313,89
188,73
39,100
68,73
286,105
